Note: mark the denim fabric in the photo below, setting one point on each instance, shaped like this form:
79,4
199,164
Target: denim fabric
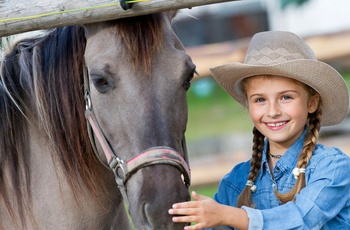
323,204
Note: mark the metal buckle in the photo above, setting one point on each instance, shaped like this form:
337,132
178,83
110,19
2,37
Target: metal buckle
88,104
120,169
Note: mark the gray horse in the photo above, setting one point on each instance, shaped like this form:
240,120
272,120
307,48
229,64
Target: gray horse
53,174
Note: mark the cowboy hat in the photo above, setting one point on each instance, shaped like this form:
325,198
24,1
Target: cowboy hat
284,54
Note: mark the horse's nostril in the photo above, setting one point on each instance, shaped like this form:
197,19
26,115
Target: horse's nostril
148,215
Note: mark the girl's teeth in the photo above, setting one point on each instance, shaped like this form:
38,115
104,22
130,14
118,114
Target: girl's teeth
276,124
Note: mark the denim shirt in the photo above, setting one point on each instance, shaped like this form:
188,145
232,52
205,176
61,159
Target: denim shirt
324,203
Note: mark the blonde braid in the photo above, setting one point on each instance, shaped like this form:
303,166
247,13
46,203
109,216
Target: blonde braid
310,142
255,164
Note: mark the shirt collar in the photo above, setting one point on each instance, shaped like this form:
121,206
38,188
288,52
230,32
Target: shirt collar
289,159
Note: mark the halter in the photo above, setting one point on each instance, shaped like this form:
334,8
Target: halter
122,169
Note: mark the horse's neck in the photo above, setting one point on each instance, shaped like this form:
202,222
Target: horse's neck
54,205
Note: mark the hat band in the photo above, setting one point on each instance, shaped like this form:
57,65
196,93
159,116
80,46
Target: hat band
267,56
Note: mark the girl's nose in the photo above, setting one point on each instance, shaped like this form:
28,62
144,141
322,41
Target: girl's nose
273,110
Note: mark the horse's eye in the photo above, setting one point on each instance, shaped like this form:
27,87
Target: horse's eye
101,84
188,80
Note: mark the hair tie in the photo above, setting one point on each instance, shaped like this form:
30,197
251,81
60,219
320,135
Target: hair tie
296,172
251,185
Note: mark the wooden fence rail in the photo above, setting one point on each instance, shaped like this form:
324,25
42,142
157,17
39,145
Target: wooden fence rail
17,16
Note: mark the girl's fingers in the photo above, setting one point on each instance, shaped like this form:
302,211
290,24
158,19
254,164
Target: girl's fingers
184,219
189,204
181,211
198,197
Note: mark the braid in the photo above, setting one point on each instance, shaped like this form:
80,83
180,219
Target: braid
310,142
255,164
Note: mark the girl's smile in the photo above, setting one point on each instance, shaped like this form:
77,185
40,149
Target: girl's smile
276,125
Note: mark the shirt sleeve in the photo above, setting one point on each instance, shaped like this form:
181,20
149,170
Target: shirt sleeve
255,218
325,195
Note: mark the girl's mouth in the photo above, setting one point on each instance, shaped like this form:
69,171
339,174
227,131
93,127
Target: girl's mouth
276,124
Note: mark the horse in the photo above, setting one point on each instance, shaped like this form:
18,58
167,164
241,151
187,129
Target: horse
93,119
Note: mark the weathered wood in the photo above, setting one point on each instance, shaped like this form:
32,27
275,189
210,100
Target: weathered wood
17,16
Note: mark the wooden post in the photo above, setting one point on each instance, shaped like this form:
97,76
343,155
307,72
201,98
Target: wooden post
17,16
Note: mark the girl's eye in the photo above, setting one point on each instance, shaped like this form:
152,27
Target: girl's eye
259,100
286,97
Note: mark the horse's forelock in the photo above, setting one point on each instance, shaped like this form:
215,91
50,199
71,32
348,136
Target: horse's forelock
142,37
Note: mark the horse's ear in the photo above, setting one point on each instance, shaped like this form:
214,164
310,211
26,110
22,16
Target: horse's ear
91,29
171,14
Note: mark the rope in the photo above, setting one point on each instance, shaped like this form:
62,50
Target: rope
67,11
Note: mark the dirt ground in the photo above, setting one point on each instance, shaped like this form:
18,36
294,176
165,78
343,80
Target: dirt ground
209,169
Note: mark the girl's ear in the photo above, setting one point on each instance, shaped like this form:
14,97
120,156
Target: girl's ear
313,103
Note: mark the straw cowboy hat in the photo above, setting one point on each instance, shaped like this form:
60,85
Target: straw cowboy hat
285,54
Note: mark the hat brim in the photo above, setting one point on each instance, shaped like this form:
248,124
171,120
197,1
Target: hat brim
318,75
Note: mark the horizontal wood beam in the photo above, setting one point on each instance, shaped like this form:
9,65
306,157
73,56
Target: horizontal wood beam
17,16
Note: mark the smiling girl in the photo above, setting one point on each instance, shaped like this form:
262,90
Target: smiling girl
291,182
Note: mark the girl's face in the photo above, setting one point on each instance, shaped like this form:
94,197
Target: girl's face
279,108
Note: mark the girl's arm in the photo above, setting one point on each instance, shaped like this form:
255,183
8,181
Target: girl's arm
206,213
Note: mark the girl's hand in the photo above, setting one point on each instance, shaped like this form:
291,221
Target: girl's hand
205,211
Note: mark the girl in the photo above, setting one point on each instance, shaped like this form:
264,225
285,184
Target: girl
291,182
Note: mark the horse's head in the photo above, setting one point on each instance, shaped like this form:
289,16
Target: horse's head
139,74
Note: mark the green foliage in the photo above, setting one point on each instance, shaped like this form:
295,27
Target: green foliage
347,78
214,114
208,190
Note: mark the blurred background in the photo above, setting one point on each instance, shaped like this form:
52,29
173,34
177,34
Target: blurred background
219,129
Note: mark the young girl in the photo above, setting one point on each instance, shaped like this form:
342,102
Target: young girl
291,182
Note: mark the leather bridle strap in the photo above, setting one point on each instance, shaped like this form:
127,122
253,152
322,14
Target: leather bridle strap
157,155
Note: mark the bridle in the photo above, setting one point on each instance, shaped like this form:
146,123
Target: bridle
122,169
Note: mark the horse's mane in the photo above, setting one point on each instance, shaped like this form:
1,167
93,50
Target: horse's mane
42,78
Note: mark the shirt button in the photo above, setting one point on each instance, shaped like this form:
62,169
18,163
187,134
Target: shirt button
273,185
